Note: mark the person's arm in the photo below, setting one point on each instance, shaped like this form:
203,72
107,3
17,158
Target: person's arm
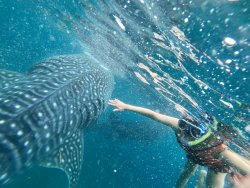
236,161
167,120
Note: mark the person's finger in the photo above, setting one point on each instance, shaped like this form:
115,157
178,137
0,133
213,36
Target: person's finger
117,110
111,102
236,179
243,182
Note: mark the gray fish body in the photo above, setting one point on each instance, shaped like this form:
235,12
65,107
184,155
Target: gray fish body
42,115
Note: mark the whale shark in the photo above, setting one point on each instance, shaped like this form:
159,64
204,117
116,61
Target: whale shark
7,78
44,112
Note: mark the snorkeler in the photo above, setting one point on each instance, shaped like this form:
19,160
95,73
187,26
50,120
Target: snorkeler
202,144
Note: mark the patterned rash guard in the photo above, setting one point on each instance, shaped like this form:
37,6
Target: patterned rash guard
205,150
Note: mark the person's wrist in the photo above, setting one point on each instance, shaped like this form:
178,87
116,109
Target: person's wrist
128,107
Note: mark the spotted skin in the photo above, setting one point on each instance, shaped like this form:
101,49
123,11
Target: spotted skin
7,78
42,114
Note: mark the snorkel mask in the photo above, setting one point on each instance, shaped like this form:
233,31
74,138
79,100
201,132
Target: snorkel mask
196,131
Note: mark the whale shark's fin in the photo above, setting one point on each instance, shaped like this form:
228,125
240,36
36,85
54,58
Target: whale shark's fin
68,158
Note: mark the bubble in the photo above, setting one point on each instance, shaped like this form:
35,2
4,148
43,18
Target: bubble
236,53
229,41
119,22
2,121
221,83
228,61
212,11
247,129
226,20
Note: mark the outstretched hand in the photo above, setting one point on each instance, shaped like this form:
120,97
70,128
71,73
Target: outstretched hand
120,106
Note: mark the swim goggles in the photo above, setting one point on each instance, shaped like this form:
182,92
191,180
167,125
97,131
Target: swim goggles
194,130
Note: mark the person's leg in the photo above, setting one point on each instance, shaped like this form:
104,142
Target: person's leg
236,161
200,181
215,179
187,172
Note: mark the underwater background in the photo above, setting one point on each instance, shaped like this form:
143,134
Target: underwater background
161,52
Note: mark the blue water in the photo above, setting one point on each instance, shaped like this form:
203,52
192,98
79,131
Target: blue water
161,53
